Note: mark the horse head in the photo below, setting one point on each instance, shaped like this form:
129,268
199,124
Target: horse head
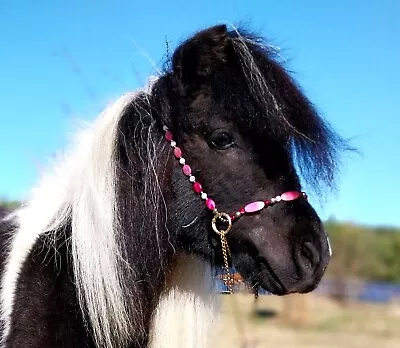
241,126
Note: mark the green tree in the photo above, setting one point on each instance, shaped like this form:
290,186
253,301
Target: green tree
363,253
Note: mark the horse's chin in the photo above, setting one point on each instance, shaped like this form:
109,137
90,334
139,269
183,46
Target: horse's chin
265,278
268,281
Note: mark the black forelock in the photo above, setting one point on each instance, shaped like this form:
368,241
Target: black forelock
312,142
273,107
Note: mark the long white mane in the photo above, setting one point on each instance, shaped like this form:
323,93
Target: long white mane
80,189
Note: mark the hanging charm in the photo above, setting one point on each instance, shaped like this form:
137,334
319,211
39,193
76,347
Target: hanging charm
224,219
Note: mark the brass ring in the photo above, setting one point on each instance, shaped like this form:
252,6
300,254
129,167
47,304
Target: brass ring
219,216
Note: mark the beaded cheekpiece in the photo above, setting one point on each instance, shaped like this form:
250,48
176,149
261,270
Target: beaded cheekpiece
221,223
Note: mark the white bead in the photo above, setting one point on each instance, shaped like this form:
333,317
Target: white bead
182,160
272,200
173,143
192,178
278,198
203,195
165,128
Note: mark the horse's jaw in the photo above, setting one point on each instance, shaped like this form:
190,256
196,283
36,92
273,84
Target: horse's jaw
186,313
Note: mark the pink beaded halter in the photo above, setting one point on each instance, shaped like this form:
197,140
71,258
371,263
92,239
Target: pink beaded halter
221,218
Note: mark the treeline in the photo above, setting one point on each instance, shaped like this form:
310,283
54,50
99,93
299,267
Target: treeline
367,253
9,204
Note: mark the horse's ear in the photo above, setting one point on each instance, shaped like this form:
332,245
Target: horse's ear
202,55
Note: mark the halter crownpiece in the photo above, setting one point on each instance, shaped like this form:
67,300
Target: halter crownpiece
225,219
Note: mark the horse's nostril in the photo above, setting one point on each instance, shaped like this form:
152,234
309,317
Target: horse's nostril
308,258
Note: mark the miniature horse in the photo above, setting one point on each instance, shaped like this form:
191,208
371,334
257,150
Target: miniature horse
117,244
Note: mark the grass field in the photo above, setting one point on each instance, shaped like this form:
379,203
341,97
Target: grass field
306,321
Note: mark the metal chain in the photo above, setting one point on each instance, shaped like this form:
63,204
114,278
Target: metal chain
228,279
229,282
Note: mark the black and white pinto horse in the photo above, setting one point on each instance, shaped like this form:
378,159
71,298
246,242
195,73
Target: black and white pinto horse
115,247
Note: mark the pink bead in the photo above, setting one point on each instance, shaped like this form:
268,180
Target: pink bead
210,204
197,187
177,152
253,207
186,170
168,135
290,196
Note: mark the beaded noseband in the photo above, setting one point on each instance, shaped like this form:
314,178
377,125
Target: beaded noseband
224,219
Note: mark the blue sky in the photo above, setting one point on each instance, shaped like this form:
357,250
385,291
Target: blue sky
64,60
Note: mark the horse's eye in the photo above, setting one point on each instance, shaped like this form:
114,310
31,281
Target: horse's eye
221,140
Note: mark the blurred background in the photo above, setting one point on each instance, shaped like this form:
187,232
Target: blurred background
62,62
